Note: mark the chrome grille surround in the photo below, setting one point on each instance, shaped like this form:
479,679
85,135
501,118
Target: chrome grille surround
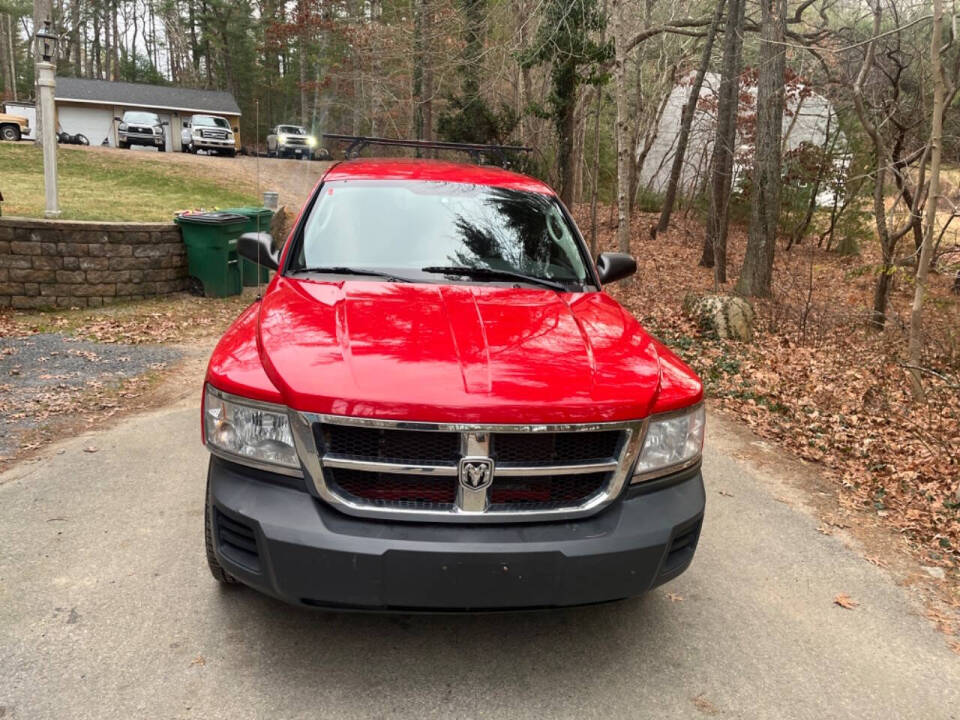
470,507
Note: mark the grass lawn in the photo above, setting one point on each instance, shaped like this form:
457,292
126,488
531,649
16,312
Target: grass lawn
100,185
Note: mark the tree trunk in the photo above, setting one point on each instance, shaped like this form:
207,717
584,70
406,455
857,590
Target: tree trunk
721,161
624,152
75,36
566,88
686,121
757,270
116,41
926,251
419,10
595,190
887,243
7,75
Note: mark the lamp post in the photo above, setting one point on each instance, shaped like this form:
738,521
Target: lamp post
46,74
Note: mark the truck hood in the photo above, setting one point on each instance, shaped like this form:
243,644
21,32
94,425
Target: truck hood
455,353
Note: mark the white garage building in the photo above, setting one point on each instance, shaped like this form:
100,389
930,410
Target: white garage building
90,106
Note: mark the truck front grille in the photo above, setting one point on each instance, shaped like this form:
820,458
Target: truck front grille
405,446
413,470
414,446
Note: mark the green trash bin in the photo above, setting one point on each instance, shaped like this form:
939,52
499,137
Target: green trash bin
211,240
258,220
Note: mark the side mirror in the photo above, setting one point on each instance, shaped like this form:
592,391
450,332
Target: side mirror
258,247
615,266
118,119
164,122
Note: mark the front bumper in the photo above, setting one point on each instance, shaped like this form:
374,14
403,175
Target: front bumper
141,138
210,144
277,538
295,149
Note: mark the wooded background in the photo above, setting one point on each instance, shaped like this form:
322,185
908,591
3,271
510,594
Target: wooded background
586,83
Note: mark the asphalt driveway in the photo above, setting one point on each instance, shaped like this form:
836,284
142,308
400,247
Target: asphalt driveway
107,610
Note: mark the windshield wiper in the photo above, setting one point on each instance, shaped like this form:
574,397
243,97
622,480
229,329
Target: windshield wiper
344,270
492,274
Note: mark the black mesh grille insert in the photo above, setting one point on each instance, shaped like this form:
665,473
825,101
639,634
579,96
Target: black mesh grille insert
544,491
555,448
413,446
394,489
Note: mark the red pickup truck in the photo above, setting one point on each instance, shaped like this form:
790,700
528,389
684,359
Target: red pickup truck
435,406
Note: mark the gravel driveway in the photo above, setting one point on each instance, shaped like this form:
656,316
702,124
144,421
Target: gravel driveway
36,370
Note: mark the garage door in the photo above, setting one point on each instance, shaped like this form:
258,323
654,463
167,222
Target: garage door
95,123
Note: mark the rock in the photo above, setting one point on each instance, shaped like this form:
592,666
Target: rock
726,316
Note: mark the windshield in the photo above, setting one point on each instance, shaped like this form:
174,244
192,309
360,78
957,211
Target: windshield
406,226
210,121
291,130
141,118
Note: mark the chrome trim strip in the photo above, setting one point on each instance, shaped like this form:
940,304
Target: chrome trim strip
302,423
470,427
540,470
335,460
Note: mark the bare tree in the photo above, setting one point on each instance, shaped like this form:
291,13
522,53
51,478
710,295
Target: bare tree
686,121
936,151
721,163
624,151
757,270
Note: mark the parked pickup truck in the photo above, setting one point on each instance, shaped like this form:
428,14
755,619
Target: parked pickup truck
211,133
13,127
435,405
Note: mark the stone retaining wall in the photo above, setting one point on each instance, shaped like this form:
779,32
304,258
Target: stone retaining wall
52,263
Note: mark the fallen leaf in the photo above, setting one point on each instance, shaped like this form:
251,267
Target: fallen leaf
90,449
845,601
704,705
199,660
872,559
673,597
724,493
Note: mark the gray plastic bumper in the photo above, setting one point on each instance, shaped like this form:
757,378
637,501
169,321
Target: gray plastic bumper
284,542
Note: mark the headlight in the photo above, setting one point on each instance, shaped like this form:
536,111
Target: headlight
249,430
197,132
158,131
673,441
122,126
281,138
311,141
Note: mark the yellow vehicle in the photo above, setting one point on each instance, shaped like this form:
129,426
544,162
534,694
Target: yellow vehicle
13,127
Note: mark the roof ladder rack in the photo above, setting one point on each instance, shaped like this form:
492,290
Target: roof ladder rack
356,143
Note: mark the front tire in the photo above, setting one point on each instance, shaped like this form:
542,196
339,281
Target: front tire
216,569
10,132
123,145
